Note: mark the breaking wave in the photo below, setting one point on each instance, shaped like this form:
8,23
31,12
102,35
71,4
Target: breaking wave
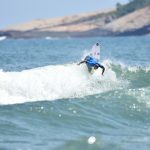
68,81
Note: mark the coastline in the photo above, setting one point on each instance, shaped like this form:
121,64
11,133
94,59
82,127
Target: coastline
84,25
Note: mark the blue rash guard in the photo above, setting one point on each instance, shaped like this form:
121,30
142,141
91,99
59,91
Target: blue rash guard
91,62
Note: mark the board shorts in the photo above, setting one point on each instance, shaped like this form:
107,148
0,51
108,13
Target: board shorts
91,67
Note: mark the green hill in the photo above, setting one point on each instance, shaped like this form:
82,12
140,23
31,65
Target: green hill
130,7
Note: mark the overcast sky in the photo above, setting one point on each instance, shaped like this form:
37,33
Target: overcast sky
19,11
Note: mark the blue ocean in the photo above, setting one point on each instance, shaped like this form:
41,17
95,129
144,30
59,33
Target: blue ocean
48,102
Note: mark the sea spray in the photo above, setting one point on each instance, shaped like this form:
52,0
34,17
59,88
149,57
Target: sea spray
53,82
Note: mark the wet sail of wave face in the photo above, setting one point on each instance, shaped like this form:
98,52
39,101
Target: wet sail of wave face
47,101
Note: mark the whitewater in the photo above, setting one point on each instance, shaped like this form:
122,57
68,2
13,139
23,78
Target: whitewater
54,82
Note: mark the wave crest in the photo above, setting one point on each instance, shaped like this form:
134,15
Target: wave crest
53,82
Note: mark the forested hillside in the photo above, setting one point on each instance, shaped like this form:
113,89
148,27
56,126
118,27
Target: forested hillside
133,5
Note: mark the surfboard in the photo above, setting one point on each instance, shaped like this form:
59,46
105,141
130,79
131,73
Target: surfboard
95,52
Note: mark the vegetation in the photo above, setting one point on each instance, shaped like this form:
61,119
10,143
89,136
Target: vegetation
130,7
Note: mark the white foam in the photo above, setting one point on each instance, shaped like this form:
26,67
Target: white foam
53,82
51,38
125,67
91,140
2,38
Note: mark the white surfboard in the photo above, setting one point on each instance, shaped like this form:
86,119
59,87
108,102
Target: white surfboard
95,52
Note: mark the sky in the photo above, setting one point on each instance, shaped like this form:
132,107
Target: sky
14,12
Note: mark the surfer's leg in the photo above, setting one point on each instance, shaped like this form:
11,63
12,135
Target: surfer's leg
89,68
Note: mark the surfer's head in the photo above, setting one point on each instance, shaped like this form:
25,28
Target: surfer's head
97,44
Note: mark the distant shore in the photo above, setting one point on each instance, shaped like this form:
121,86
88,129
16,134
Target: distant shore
84,25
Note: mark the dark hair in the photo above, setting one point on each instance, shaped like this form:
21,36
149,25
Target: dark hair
97,44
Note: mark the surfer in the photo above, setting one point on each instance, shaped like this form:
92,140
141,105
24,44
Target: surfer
92,64
92,60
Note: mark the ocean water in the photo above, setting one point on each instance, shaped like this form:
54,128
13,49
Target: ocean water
48,102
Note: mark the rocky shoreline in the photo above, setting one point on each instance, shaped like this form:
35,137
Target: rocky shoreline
84,25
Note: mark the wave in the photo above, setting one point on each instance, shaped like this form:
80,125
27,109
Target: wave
138,76
51,38
2,38
66,81
53,82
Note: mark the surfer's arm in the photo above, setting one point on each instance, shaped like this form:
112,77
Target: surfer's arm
103,69
84,61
